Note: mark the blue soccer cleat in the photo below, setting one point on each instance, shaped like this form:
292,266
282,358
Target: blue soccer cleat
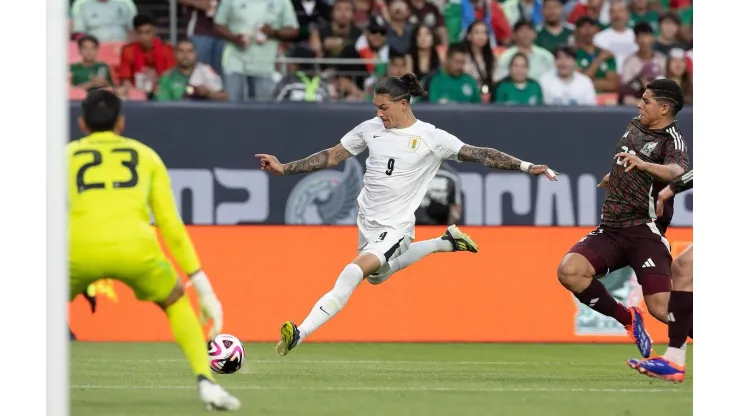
659,367
638,333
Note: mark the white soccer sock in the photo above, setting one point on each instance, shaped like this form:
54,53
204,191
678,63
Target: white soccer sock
419,250
676,355
333,302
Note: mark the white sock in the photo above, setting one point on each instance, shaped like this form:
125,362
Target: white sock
676,355
333,302
419,250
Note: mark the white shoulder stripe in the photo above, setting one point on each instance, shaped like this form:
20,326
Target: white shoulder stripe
678,142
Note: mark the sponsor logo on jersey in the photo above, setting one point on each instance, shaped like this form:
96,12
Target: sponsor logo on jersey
622,284
326,197
414,142
647,150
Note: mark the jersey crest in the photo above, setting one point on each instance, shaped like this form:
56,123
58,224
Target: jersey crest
647,150
414,142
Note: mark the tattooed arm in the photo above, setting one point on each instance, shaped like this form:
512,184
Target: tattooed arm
488,157
495,159
317,161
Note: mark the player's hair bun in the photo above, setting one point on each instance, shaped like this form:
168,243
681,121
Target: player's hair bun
415,87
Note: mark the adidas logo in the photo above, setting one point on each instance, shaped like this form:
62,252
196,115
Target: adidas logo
648,263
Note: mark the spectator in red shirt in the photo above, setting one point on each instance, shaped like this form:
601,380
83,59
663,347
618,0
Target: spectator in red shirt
592,9
144,60
489,12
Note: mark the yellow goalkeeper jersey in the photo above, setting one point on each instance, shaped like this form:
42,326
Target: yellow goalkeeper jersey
114,185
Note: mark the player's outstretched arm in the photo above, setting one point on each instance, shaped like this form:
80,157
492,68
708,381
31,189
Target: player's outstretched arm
320,160
178,241
495,159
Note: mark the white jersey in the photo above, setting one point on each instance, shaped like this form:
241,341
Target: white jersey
399,169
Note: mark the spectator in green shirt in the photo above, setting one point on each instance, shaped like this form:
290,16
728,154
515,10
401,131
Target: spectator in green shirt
189,79
90,74
452,84
554,32
687,25
597,64
517,89
640,11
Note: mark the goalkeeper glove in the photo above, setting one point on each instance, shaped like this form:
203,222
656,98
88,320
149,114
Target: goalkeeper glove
210,307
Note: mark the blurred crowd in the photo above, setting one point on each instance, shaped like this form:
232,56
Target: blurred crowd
505,52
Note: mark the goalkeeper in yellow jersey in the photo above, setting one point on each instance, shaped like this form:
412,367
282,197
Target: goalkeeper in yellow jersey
114,182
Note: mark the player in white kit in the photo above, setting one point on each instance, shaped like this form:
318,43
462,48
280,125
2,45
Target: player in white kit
405,154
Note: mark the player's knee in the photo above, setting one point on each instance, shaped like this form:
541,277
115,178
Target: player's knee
571,272
657,306
682,266
177,292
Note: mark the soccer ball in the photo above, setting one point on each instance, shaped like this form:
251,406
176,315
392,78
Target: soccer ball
226,354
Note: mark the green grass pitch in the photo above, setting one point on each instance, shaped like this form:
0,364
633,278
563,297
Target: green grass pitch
380,379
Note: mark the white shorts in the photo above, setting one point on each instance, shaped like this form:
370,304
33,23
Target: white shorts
385,243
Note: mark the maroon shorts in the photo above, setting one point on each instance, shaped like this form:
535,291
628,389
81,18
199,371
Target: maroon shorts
643,248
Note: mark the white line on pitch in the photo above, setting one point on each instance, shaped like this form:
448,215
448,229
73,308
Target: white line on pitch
399,389
287,361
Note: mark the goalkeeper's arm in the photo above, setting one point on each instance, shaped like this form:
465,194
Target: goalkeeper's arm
683,182
178,241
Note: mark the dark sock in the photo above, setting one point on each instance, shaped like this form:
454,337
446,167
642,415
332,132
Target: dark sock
680,314
598,298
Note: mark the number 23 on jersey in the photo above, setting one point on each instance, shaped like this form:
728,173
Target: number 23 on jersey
96,158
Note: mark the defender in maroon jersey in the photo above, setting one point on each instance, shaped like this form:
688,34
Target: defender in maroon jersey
648,156
671,366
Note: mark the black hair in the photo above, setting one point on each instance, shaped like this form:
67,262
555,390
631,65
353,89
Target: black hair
434,60
87,38
519,55
586,20
669,92
403,88
487,53
395,54
558,1
568,50
522,23
100,110
142,20
643,28
456,48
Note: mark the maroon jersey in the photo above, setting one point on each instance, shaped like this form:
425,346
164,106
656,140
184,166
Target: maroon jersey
630,196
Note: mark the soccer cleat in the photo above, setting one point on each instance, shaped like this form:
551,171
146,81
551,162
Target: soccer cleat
215,397
460,241
289,336
659,367
638,333
633,363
